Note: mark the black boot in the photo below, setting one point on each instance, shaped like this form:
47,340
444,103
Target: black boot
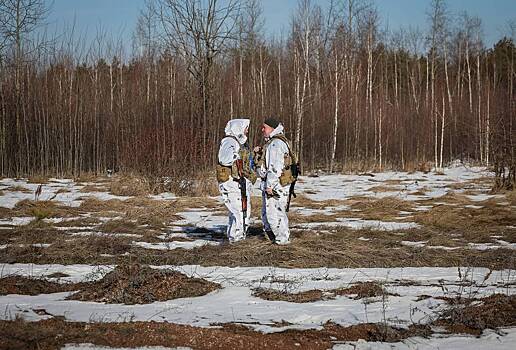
269,235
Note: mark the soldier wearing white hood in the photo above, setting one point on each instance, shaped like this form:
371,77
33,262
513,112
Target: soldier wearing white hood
275,160
232,148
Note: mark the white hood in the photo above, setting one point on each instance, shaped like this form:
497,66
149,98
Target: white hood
277,131
236,128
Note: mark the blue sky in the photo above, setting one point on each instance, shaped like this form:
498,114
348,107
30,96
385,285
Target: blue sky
118,17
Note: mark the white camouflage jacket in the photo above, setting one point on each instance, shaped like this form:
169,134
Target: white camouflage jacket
274,163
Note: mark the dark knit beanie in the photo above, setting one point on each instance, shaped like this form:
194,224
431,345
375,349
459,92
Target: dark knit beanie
272,122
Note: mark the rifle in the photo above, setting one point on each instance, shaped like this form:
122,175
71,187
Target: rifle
243,189
295,173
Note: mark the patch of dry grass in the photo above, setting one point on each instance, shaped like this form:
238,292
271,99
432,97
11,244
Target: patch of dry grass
422,166
87,177
6,213
119,226
363,290
474,316
305,202
43,209
186,203
55,332
310,219
63,190
31,286
360,290
129,185
94,188
301,297
511,196
94,205
38,179
137,284
156,214
80,222
383,188
34,233
490,218
201,185
18,188
384,209
38,209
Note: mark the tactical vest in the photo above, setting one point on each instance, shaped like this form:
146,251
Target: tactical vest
290,170
224,173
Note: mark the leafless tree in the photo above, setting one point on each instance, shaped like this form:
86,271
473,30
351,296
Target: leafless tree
199,31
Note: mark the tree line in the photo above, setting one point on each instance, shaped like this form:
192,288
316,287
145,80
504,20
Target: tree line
350,92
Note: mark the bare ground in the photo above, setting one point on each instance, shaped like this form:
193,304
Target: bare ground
54,333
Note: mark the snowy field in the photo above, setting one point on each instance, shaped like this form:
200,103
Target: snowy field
417,243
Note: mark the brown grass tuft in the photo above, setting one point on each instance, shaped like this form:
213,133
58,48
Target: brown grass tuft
87,177
38,179
511,196
472,316
38,209
18,188
31,286
94,188
276,295
92,204
129,185
424,167
137,284
363,290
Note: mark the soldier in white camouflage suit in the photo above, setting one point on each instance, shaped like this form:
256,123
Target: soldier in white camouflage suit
233,147
274,163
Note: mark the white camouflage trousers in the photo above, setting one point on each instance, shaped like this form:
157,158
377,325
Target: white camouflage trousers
231,195
274,215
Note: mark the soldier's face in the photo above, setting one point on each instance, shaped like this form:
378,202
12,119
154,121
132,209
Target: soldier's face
267,130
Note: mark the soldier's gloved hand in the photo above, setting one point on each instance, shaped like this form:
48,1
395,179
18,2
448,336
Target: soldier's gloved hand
272,193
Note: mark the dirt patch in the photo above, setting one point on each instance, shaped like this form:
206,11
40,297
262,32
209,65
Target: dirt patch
31,286
55,333
137,284
473,315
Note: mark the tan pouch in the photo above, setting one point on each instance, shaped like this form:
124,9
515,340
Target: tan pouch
223,173
286,177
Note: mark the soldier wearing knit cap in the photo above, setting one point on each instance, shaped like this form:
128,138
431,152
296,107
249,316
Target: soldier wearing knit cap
272,122
274,160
